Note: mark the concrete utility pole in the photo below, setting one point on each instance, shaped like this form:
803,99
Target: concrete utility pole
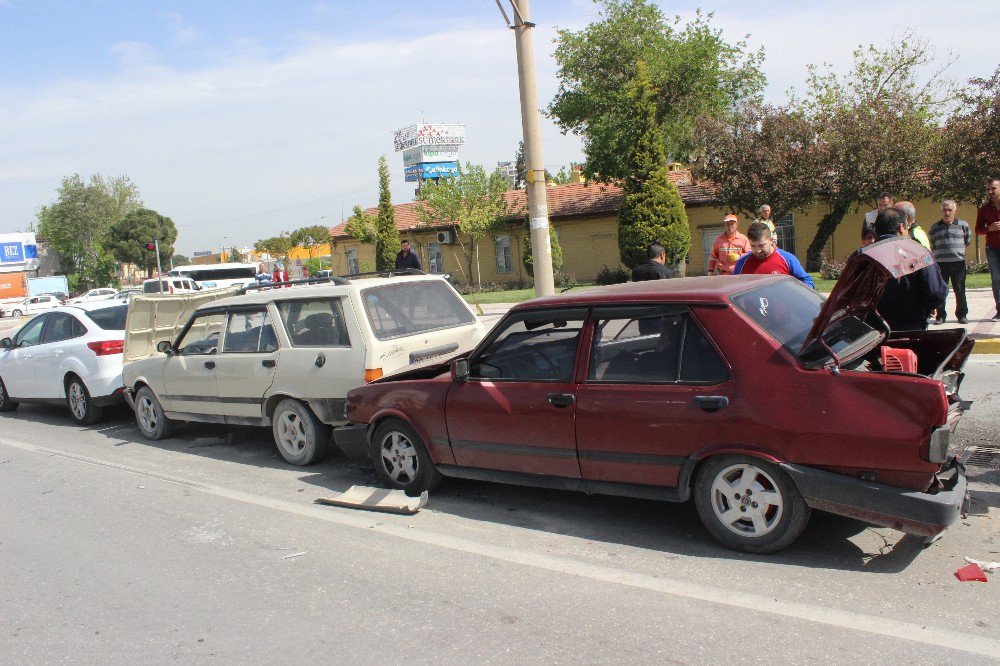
538,210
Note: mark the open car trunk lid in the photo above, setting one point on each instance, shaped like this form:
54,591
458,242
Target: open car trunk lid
155,317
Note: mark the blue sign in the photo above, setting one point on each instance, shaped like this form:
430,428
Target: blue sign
427,170
11,253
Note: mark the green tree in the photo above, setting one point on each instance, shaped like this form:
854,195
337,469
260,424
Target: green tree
760,154
128,237
386,233
528,259
520,168
277,247
471,204
235,256
362,226
179,260
967,155
694,70
651,208
77,224
877,127
310,238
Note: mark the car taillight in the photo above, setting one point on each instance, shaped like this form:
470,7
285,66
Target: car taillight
371,374
107,347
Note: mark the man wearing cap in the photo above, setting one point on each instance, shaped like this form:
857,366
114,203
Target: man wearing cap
765,258
727,248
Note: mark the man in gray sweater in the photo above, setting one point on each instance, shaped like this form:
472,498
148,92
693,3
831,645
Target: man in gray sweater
949,238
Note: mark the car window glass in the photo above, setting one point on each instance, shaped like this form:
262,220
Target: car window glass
203,335
31,333
411,307
249,331
532,350
784,309
110,318
78,328
700,362
640,350
60,327
314,323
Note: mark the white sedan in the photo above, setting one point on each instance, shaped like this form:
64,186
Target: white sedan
71,355
30,306
100,294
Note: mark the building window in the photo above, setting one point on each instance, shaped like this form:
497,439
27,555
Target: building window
785,231
352,262
435,261
502,244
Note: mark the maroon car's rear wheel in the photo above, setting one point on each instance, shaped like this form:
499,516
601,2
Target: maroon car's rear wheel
401,458
749,504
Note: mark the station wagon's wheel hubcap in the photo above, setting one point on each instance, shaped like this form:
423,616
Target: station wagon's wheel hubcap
147,414
291,433
746,500
399,457
77,400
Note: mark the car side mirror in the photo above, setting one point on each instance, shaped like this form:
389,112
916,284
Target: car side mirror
6,343
164,347
460,369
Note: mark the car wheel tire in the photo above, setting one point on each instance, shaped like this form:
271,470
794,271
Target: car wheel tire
149,416
16,313
81,405
300,436
749,504
401,458
6,404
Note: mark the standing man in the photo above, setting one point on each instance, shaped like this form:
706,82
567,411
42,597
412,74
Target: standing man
765,258
655,268
729,246
912,228
988,224
764,215
949,238
407,259
882,202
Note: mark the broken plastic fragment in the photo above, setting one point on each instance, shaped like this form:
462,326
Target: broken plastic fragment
971,572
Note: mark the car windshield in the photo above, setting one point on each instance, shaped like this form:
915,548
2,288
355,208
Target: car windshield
110,319
407,308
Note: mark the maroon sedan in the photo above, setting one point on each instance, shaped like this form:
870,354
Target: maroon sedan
751,393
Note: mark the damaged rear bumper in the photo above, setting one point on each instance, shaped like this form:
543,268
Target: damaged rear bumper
352,439
920,513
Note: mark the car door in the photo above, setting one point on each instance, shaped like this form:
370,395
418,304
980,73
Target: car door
516,411
655,390
190,390
60,329
19,366
245,369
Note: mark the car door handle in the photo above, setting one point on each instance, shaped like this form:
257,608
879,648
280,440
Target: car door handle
210,365
711,403
560,399
269,363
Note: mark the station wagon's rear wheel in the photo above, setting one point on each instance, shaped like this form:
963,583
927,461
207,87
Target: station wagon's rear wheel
149,416
81,406
300,436
6,404
749,504
401,458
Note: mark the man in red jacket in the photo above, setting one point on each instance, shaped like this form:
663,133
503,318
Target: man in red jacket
988,224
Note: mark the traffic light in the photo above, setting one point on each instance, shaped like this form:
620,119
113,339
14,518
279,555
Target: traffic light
151,245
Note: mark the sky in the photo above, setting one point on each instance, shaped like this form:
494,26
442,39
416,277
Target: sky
239,120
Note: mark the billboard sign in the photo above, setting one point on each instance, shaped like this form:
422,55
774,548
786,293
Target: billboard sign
430,170
12,253
414,156
18,252
203,253
429,135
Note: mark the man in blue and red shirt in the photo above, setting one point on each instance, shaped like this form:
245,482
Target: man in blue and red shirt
765,258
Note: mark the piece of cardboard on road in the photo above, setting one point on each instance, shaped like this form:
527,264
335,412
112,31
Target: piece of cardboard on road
377,499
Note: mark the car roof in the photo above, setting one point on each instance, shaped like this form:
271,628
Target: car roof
320,290
704,289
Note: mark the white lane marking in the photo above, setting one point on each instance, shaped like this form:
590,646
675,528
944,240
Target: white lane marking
871,624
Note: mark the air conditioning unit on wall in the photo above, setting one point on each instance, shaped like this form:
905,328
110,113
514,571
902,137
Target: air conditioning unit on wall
445,237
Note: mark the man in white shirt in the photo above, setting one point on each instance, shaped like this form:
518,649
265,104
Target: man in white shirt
882,202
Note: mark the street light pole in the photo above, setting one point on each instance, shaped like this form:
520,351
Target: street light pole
538,210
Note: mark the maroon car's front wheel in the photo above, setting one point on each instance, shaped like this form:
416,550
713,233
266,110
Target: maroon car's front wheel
401,459
749,504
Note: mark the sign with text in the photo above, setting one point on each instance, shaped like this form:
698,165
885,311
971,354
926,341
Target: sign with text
12,253
430,170
414,156
429,135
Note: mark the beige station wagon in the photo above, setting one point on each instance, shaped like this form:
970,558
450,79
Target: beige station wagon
284,357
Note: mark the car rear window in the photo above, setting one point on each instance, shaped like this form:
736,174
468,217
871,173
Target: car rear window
110,319
408,308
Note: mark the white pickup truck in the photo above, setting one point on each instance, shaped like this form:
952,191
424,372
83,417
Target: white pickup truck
284,357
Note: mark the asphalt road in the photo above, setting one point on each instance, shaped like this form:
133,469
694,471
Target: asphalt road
208,547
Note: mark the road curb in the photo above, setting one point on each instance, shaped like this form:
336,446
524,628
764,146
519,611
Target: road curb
987,346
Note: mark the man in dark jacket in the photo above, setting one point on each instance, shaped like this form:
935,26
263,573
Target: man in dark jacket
655,268
407,259
907,302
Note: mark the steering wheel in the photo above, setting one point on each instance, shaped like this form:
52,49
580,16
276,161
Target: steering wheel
536,362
